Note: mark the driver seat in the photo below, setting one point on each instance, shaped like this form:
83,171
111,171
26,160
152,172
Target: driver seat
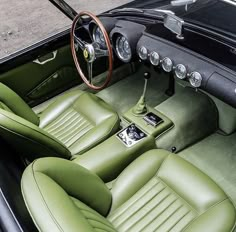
74,123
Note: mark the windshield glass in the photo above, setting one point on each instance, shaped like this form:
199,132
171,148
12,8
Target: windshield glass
215,14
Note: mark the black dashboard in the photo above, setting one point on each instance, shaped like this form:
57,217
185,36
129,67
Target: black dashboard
134,41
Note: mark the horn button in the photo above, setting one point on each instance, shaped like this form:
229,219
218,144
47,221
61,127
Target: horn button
89,53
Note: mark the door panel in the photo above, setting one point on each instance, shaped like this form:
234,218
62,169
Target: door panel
43,78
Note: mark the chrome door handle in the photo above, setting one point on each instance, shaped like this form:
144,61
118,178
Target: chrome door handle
37,61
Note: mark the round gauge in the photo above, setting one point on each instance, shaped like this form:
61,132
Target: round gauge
167,64
154,58
98,36
180,71
195,79
123,49
143,53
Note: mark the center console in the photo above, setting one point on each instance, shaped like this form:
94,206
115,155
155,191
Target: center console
137,136
141,125
151,123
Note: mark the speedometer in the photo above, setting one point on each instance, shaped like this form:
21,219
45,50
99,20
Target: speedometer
123,49
98,36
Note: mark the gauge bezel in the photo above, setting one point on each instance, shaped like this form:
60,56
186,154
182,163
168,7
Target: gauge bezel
190,78
126,60
150,58
139,50
172,65
186,72
103,44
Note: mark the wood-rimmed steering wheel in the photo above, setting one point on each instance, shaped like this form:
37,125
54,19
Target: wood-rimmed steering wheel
91,51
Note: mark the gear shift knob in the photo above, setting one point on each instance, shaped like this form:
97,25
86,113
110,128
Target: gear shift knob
141,108
147,75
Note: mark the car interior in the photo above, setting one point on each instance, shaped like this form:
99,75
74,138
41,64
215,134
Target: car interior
110,138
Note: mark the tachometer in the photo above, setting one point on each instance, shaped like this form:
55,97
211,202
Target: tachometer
98,36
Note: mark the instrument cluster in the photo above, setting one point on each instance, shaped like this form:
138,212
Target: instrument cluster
167,64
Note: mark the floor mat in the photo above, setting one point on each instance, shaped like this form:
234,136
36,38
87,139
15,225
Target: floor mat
125,94
216,156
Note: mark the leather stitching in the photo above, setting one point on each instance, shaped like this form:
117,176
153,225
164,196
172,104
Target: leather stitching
204,213
179,196
43,200
36,142
58,142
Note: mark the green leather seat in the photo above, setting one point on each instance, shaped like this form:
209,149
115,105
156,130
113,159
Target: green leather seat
159,191
74,123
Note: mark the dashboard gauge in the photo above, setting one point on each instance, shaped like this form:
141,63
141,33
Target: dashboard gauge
167,64
143,53
98,36
154,58
180,71
195,79
123,49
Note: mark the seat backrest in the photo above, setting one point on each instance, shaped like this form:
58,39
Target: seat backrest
19,128
28,139
11,101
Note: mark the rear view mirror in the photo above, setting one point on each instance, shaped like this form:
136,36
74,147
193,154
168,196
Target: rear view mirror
174,24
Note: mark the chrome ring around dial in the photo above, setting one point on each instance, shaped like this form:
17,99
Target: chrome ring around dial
180,71
154,58
167,64
143,53
123,49
98,36
195,79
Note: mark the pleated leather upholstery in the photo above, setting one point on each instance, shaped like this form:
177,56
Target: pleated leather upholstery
155,207
94,219
69,127
79,120
74,123
158,192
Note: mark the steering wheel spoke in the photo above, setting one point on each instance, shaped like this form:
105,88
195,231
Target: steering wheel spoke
80,43
90,51
90,72
99,52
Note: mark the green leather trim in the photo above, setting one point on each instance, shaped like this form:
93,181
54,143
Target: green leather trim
159,192
111,157
27,138
58,107
50,187
80,120
17,105
126,185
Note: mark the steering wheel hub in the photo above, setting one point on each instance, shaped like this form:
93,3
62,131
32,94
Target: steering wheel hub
89,53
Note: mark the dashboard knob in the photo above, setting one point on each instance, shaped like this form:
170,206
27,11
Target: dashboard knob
147,75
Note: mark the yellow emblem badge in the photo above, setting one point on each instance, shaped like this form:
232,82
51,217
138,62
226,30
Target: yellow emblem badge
86,54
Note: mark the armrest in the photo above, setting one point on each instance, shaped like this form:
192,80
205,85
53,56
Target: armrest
111,157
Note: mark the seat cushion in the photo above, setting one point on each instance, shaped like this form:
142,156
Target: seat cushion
162,192
159,191
80,120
